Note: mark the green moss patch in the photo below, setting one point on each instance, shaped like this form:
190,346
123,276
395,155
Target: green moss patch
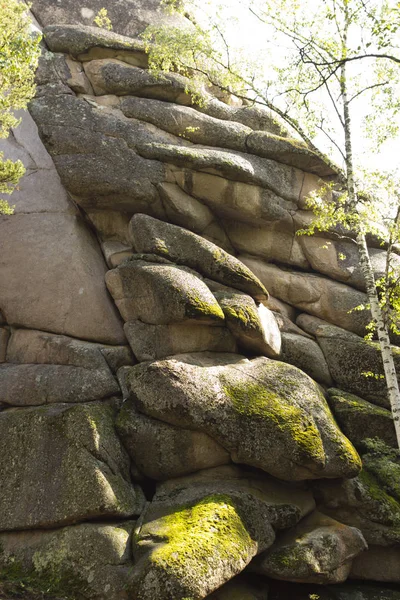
197,536
255,400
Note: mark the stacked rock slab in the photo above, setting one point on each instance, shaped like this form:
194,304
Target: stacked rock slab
169,429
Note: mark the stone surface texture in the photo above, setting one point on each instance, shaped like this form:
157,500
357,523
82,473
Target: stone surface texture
168,429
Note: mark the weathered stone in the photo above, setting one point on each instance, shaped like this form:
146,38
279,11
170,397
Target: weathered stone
210,524
192,550
265,413
128,18
91,558
184,210
288,151
80,40
287,326
270,243
110,225
164,451
318,550
359,419
363,503
255,117
350,359
316,295
377,564
168,293
305,354
151,342
339,259
4,336
254,327
384,463
281,504
188,123
236,200
78,82
28,346
115,253
63,271
150,235
288,182
34,385
52,75
66,465
95,155
111,76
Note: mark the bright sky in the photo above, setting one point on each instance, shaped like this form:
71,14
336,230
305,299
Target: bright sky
242,29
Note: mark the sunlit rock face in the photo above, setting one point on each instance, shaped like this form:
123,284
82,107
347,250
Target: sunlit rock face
183,413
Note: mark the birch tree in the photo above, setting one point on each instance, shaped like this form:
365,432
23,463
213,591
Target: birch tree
341,59
19,54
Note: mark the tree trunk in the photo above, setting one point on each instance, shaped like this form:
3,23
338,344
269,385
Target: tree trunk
383,335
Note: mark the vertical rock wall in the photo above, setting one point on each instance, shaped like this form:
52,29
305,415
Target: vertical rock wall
181,386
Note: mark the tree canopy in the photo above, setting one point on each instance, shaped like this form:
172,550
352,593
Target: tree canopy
19,54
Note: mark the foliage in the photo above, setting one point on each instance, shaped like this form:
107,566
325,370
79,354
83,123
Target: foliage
19,54
103,20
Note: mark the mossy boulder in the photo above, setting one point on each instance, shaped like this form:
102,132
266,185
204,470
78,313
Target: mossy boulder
266,413
262,498
63,464
384,463
355,363
359,419
192,550
318,550
90,560
168,294
253,326
162,451
364,503
184,247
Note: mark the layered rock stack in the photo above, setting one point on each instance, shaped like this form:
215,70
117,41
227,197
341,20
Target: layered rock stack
194,422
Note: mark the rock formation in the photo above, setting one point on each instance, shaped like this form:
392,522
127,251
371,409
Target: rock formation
183,411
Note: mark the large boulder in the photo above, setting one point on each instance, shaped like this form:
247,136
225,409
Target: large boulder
192,550
377,564
304,353
168,293
318,550
254,327
129,17
33,385
363,503
202,530
162,451
283,180
265,413
67,465
46,245
95,154
91,559
319,296
354,363
151,342
359,419
181,246
86,42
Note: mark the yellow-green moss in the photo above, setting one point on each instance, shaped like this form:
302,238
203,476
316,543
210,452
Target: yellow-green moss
255,400
197,307
243,315
197,536
388,507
